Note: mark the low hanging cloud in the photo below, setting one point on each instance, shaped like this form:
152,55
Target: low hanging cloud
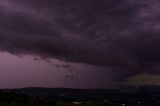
122,34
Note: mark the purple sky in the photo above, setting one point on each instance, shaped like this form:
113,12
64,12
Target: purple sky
25,71
103,42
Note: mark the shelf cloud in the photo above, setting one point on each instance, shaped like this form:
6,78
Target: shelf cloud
123,35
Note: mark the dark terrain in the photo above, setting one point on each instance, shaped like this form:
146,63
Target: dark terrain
124,96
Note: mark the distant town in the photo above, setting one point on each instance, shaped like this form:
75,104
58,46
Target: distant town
124,96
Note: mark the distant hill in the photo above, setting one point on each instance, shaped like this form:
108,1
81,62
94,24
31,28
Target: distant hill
148,95
40,91
81,93
64,92
144,88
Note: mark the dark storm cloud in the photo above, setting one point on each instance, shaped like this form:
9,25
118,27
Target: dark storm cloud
120,34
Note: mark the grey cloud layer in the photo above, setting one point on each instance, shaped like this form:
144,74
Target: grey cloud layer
121,34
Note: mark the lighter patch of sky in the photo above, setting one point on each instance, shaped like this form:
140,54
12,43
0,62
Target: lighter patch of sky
25,71
144,79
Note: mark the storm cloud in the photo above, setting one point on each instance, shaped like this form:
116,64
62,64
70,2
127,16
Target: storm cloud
123,35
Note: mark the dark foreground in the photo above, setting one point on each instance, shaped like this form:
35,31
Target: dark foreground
76,97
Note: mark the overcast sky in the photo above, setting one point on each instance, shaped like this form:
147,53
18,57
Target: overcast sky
90,43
